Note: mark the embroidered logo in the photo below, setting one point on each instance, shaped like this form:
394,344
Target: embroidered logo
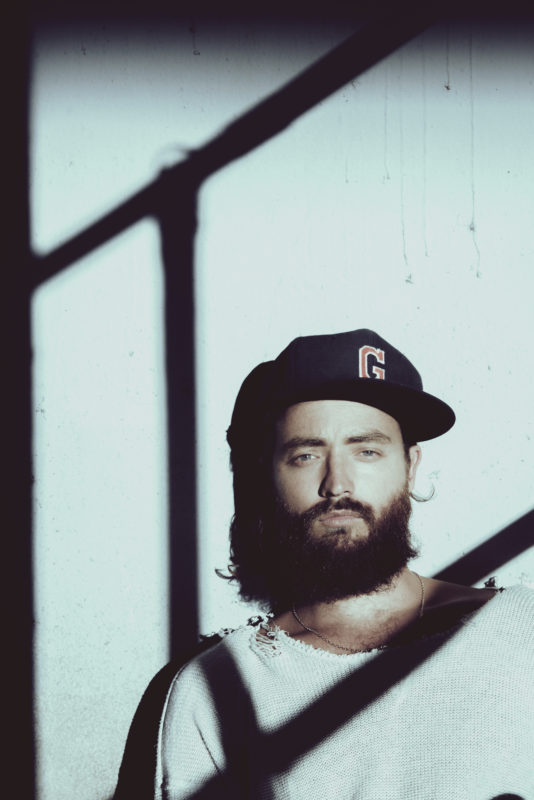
364,353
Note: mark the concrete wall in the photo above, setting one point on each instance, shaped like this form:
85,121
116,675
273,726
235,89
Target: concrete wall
402,203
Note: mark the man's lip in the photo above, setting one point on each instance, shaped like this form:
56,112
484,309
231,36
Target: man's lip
339,517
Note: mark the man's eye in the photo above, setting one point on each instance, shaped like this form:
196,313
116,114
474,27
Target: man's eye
302,458
368,453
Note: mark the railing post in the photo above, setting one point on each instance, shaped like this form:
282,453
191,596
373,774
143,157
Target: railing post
17,634
177,220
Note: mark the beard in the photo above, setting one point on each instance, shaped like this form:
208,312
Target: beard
311,567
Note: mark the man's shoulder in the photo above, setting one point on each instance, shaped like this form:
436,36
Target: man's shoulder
444,594
212,652
518,602
518,597
136,774
450,604
508,619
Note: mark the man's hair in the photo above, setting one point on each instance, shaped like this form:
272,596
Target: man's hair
251,464
253,561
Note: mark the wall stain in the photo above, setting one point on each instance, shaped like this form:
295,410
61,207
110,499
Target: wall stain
447,83
409,278
423,198
386,176
193,32
472,224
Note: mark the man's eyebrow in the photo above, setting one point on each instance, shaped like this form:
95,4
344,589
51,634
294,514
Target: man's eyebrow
369,436
358,438
302,441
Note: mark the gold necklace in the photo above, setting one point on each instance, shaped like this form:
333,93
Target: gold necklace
350,649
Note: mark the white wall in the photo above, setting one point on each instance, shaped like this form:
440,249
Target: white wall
402,203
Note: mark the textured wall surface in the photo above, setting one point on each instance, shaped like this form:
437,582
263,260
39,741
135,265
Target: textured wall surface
402,203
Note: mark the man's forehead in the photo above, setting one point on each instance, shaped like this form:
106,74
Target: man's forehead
325,418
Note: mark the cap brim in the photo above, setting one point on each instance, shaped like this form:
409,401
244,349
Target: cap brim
420,415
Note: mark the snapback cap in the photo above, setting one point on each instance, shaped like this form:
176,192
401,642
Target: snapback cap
358,365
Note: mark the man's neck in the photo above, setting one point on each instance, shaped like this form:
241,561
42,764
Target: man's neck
365,622
359,622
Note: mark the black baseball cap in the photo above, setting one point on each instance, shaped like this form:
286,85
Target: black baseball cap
358,365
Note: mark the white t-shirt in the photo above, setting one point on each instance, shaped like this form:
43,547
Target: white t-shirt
449,717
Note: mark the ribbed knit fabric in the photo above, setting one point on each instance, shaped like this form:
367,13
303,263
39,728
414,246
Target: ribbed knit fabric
286,721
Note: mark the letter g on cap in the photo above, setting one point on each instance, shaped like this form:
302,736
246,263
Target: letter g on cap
365,351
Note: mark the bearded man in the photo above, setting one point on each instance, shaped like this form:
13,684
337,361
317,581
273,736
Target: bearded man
364,680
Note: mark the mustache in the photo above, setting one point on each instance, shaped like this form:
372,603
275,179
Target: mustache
343,504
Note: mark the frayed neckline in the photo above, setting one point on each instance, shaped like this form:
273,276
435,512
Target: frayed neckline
270,640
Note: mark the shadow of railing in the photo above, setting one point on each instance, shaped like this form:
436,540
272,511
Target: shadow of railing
248,750
492,553
254,757
17,412
356,54
171,199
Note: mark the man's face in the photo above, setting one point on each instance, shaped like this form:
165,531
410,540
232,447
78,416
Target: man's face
342,481
338,450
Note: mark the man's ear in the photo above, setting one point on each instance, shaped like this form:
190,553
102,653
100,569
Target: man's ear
414,455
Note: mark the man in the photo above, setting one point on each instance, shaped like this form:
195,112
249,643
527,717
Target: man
364,680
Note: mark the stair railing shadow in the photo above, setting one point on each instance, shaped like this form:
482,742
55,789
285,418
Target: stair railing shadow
359,52
500,548
247,748
172,200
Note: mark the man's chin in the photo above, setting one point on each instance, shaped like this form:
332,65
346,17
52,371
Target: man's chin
320,559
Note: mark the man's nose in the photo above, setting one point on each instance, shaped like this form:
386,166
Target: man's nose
337,479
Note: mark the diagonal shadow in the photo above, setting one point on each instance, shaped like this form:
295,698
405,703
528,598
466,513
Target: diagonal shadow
493,553
232,700
269,754
171,199
243,742
359,52
248,768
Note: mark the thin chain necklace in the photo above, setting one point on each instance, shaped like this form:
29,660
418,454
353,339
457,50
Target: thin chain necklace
350,649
